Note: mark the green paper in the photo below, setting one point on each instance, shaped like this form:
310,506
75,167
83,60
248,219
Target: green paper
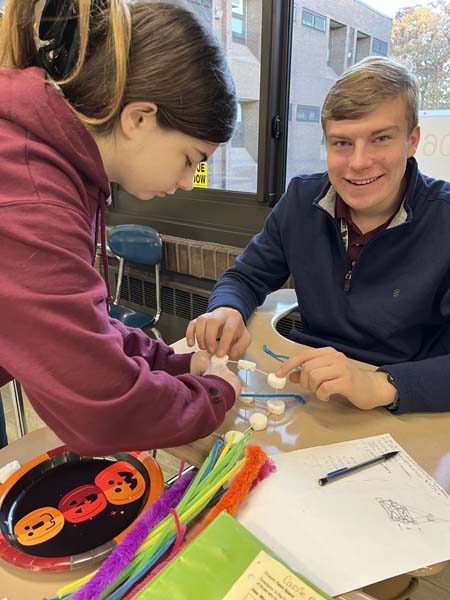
210,565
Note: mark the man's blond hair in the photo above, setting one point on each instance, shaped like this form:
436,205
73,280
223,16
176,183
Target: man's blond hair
368,83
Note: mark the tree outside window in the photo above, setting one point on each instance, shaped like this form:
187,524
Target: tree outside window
421,41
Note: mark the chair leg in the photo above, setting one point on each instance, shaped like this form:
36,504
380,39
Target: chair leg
15,390
157,334
3,433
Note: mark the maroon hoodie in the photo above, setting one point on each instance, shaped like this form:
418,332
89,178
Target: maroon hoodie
102,387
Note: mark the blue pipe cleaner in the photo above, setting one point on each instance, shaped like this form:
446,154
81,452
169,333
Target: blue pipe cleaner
212,462
270,352
130,582
295,396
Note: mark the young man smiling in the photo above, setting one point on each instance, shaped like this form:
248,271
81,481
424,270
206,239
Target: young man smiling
368,245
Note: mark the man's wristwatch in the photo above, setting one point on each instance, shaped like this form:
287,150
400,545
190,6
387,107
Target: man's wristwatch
393,406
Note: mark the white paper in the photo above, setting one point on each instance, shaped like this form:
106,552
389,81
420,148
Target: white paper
267,579
373,524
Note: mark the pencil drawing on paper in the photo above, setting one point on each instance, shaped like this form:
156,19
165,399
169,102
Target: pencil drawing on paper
404,515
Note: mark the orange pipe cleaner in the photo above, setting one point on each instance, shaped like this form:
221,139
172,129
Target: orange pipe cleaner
239,487
230,501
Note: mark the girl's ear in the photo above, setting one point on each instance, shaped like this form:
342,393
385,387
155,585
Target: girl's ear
137,117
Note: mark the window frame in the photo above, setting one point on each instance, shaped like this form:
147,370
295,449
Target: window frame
222,216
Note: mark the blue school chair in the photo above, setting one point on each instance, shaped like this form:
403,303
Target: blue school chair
138,244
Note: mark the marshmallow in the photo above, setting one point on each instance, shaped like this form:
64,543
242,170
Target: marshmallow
277,383
276,406
238,435
246,399
258,421
216,360
247,365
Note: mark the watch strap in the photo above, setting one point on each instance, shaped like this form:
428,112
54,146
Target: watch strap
396,403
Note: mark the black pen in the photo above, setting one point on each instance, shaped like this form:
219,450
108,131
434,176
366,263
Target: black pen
344,471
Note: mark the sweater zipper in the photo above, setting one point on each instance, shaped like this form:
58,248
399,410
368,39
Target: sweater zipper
351,267
348,276
348,280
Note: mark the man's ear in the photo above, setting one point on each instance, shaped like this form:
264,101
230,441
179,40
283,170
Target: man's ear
137,117
413,141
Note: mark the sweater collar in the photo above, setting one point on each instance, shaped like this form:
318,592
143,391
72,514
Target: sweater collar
404,213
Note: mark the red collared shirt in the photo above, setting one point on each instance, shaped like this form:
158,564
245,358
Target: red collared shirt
356,239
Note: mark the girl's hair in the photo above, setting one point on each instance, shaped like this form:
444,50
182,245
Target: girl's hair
125,52
368,83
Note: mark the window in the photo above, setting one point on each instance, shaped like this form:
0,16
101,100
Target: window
337,50
420,40
282,77
238,138
379,47
362,46
238,20
314,20
316,64
310,114
234,205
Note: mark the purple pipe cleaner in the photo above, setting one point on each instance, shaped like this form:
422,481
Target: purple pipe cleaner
125,551
266,469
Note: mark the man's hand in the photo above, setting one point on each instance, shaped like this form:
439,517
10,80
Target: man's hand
325,371
201,365
224,323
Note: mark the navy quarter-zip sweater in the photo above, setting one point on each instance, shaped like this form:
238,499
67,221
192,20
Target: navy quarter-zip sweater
392,309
